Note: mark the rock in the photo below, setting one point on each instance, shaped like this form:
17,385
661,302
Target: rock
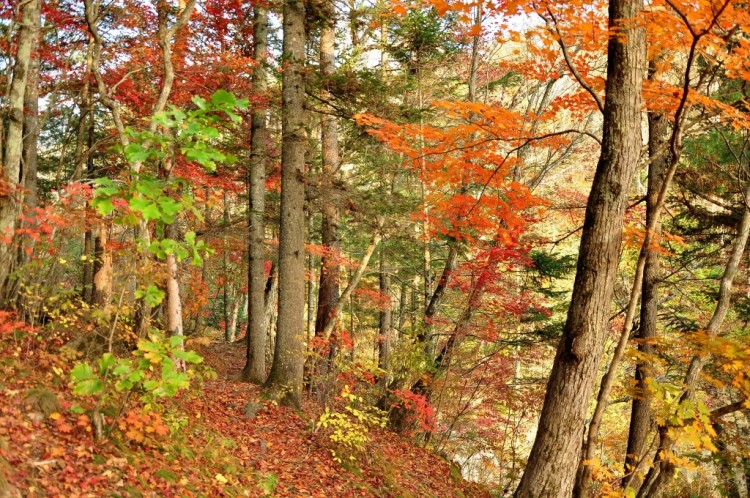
251,409
40,402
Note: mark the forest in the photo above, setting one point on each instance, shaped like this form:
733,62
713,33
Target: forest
375,248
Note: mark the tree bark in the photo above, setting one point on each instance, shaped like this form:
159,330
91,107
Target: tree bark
102,292
257,330
385,317
286,376
174,303
31,126
328,291
10,202
640,415
549,472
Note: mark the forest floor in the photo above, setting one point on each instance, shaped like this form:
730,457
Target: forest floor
48,450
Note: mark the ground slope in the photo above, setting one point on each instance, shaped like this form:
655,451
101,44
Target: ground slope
47,450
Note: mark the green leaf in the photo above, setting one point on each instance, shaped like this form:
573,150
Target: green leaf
148,208
106,362
134,152
199,102
223,97
103,205
88,387
188,356
82,371
269,483
122,369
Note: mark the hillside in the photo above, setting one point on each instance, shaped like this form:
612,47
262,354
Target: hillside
47,450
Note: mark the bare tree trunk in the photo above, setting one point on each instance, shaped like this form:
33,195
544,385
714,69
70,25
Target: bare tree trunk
549,472
88,267
257,327
286,376
102,292
87,160
234,315
385,320
269,312
225,263
29,160
640,415
174,303
328,291
10,201
31,127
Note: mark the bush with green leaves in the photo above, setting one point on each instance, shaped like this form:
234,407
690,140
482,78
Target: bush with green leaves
156,198
153,372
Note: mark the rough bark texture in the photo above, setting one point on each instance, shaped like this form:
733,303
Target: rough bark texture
551,469
31,127
286,376
13,147
640,416
328,291
102,292
385,318
255,368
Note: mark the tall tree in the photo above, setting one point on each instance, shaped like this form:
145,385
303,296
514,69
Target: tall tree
640,416
328,291
549,472
286,376
13,146
255,368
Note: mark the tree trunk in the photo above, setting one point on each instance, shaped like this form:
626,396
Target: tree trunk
11,173
328,291
640,415
269,312
550,471
385,318
31,127
286,376
661,471
257,328
102,292
234,315
174,303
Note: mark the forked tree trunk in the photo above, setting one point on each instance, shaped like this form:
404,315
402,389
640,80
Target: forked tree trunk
661,471
640,415
286,376
552,465
257,328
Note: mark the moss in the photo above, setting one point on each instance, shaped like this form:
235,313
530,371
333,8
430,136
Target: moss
42,401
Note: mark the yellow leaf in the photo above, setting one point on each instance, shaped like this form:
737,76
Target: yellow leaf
221,478
55,416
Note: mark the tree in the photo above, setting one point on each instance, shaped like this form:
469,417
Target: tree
562,422
286,376
11,201
255,369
